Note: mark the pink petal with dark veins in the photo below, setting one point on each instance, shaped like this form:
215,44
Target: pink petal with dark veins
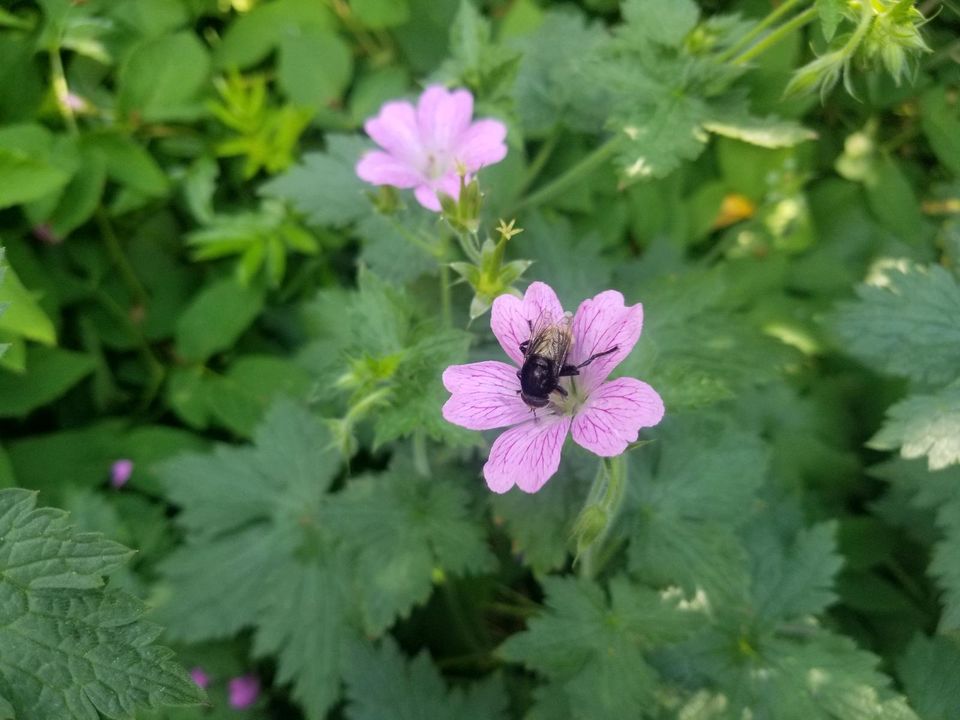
485,395
601,323
510,317
526,455
614,414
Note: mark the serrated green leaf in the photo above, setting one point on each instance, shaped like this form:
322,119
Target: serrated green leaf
663,23
830,13
401,527
690,501
907,324
69,649
592,648
381,683
252,516
325,188
924,425
930,672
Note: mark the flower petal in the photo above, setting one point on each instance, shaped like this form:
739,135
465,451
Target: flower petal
614,414
482,144
379,168
526,455
601,323
427,197
443,116
510,318
485,395
395,130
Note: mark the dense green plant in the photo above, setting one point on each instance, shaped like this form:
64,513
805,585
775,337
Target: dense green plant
223,348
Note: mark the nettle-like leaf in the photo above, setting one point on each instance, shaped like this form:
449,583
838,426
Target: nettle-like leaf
930,673
382,684
68,647
777,661
398,528
262,516
689,500
924,425
325,187
906,324
374,336
593,648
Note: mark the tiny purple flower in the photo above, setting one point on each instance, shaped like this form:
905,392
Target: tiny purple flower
424,147
120,472
200,677
604,417
244,691
45,234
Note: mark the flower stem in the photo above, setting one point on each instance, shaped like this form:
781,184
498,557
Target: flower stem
130,279
61,91
445,305
772,17
794,23
541,158
607,493
577,173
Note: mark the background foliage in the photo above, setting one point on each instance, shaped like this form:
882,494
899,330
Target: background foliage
194,279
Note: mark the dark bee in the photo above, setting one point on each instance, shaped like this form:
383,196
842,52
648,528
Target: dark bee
545,361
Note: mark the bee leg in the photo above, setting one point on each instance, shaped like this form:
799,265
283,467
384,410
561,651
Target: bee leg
524,346
560,390
569,370
597,355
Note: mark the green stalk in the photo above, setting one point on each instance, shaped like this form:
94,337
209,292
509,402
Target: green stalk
794,23
127,273
607,492
541,158
61,90
577,173
757,30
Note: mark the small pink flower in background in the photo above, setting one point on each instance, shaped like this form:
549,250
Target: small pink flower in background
200,677
424,146
604,417
243,691
120,472
45,234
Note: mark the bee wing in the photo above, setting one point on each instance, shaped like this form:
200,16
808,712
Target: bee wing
551,337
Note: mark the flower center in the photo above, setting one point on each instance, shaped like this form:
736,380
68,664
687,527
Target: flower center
436,166
570,403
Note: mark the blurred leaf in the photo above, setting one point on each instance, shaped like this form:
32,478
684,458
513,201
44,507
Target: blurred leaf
664,23
23,316
382,683
28,170
830,13
162,78
51,373
379,14
216,318
70,648
325,188
930,672
941,125
314,67
907,324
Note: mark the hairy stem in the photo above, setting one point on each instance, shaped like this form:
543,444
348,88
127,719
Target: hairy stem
794,23
772,17
577,173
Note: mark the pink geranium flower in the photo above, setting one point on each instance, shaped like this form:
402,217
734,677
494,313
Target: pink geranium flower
425,147
120,472
603,416
243,691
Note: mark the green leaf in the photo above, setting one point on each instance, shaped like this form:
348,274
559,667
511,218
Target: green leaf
552,83
378,14
924,425
593,649
941,124
661,136
68,648
664,23
382,683
162,78
28,169
127,162
251,516
23,317
215,318
50,373
930,672
401,527
689,503
907,323
314,67
325,188
830,13
763,132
